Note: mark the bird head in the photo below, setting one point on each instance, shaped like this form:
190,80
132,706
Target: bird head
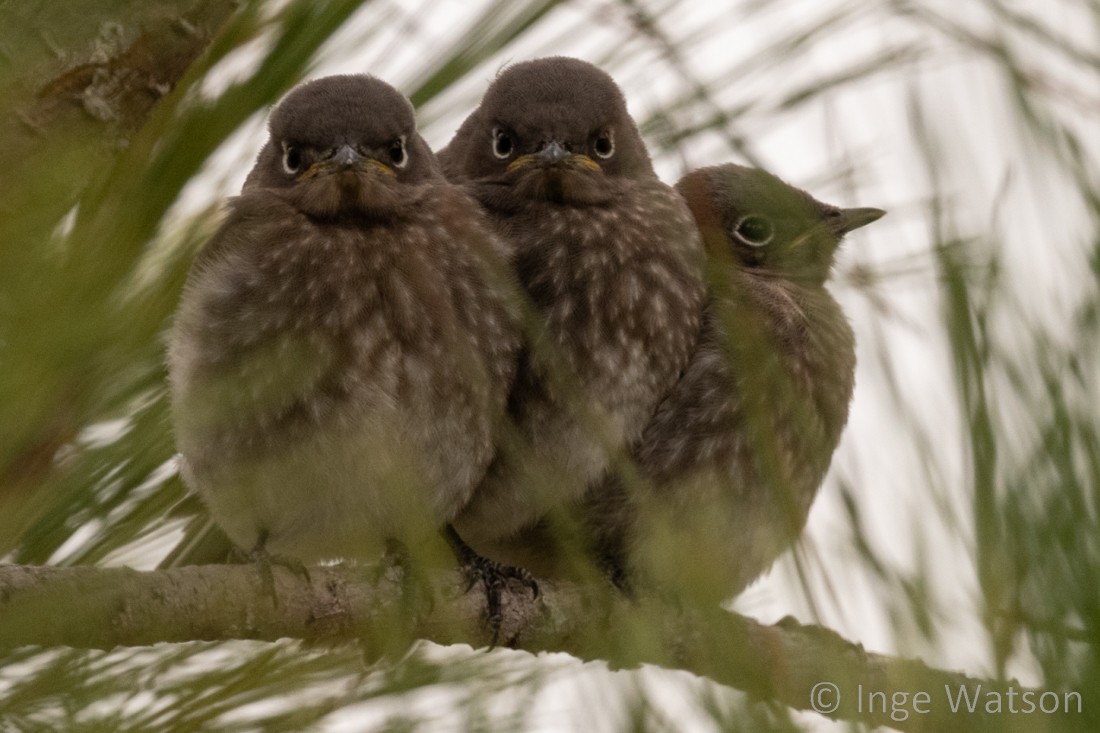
550,129
344,146
754,221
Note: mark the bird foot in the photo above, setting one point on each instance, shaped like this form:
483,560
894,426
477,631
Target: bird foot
387,638
493,576
265,561
417,595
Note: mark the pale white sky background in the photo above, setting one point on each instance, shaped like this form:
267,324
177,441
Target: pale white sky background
996,187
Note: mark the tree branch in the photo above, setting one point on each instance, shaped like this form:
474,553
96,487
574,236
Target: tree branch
802,667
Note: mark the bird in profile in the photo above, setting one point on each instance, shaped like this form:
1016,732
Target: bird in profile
344,347
732,460
611,262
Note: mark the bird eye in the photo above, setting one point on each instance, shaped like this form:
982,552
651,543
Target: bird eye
502,143
398,156
754,230
605,145
292,159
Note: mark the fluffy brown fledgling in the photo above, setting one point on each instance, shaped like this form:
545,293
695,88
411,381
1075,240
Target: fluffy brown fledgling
735,454
612,262
341,356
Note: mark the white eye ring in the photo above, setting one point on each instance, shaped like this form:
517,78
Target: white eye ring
401,160
754,230
502,144
609,150
292,159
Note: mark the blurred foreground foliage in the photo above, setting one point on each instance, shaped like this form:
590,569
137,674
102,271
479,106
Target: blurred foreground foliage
92,259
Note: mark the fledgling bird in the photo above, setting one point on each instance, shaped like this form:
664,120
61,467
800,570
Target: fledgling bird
612,263
734,456
342,353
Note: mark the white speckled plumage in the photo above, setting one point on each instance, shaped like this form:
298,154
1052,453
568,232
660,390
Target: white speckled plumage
590,231
340,360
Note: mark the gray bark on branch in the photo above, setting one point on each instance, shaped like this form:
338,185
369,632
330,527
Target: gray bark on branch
102,608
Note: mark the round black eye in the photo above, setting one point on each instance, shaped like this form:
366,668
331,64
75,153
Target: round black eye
398,155
605,145
292,159
754,230
502,143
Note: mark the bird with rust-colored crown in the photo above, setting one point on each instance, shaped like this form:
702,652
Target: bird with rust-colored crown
342,353
731,462
612,263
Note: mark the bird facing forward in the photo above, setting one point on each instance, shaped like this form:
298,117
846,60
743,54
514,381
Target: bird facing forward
734,456
612,263
340,357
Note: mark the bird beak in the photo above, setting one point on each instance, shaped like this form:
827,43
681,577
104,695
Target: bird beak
345,156
850,219
552,154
